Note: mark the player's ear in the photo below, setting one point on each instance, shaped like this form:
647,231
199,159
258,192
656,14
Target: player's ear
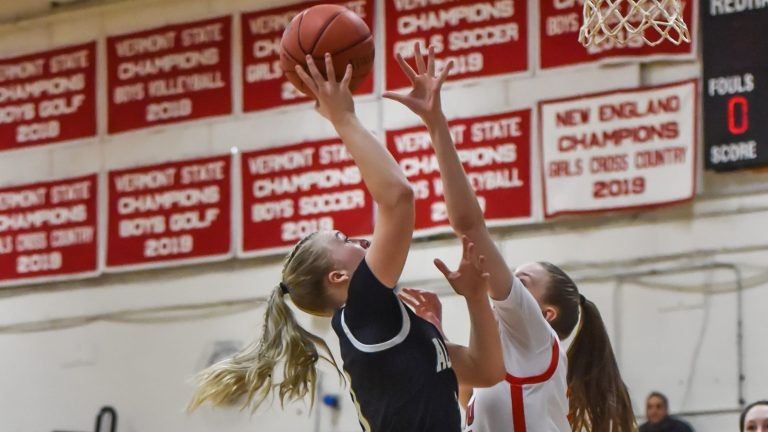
550,312
338,276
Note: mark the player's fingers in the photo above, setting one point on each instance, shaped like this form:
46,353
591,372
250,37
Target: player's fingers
442,267
330,71
306,79
431,298
407,69
464,247
314,71
409,301
395,97
428,295
431,61
411,290
417,294
471,255
347,76
420,67
421,295
480,265
445,72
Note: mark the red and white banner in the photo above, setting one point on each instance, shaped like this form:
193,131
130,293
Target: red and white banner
49,231
495,153
264,85
168,214
290,192
559,24
169,74
619,150
48,97
482,38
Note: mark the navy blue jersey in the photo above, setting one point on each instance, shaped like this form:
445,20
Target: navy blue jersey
399,370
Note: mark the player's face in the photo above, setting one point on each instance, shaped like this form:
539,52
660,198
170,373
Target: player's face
535,278
756,419
655,409
347,252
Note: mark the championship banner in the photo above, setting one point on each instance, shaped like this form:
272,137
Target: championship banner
559,24
264,85
169,74
495,153
170,214
48,97
49,231
619,150
482,38
290,192
735,84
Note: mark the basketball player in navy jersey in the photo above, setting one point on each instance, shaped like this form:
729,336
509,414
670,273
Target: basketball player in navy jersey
403,375
546,389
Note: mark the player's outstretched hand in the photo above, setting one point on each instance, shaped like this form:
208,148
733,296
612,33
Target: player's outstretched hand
333,99
470,279
425,304
424,98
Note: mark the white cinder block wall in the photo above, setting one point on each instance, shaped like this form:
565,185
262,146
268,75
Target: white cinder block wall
674,285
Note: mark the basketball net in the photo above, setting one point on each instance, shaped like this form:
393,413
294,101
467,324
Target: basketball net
621,20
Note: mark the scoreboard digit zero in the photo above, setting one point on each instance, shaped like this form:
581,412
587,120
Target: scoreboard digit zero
735,86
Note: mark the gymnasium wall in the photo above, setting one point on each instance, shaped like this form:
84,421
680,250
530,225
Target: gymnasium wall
677,286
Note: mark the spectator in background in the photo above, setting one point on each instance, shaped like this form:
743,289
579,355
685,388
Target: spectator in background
657,412
754,418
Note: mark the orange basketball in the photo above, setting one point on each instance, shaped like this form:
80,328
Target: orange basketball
327,29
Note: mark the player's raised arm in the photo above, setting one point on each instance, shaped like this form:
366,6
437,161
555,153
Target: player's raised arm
381,174
464,212
480,364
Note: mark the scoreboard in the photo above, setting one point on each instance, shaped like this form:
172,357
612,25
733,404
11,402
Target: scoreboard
735,36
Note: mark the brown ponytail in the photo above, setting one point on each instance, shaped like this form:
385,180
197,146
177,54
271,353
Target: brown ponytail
599,401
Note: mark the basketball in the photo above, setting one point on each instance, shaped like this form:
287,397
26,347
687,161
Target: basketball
327,29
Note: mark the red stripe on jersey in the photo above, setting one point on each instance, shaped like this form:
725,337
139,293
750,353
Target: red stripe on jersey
518,408
516,388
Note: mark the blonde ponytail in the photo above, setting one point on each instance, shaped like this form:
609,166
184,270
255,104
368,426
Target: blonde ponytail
248,376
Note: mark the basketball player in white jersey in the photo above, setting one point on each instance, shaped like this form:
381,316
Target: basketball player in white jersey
547,389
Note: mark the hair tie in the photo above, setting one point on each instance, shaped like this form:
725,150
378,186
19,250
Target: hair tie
283,288
582,299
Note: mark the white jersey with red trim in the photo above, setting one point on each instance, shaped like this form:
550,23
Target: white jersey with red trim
533,398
